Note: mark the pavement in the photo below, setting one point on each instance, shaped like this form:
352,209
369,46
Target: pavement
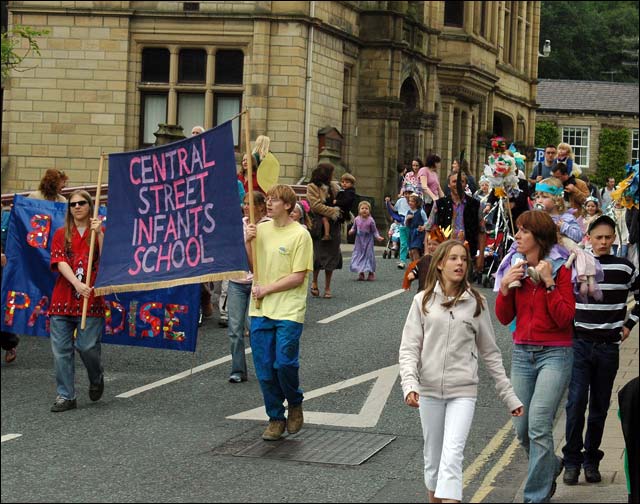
613,487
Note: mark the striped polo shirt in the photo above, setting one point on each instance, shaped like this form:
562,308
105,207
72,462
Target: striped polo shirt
602,321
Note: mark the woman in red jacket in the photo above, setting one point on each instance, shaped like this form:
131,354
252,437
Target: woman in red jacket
542,351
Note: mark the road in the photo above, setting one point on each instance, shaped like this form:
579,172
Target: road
177,441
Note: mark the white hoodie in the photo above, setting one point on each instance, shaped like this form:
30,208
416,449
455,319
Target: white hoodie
439,350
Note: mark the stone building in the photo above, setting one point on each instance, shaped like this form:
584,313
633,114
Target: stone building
581,109
391,80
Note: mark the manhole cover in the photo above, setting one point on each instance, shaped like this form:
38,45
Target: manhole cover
321,446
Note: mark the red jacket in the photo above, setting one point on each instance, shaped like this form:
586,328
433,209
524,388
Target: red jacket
543,318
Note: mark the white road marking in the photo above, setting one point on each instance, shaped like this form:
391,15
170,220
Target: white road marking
349,311
9,437
179,376
369,413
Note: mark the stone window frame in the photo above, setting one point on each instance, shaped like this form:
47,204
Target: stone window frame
209,89
570,135
635,149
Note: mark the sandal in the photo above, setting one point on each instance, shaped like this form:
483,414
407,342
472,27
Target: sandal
327,294
315,292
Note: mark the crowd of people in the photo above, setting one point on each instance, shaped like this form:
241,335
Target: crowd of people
562,287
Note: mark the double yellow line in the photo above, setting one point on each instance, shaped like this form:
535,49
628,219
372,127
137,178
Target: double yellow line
481,460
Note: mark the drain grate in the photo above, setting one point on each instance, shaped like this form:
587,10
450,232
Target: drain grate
321,447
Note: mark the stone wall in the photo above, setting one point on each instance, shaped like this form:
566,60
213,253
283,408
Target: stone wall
69,106
595,123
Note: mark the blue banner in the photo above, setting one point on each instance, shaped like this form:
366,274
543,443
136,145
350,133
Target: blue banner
163,318
539,155
175,215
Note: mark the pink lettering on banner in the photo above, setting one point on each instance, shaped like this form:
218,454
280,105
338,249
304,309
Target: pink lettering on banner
13,305
207,164
183,154
134,180
42,226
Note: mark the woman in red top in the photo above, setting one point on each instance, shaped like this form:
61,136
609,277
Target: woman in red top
542,351
70,257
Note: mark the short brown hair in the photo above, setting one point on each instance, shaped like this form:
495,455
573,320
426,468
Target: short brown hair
544,230
349,177
284,193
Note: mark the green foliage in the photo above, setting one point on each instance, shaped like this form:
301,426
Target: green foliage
11,40
612,155
589,38
546,133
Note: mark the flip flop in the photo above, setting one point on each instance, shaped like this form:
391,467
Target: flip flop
315,292
327,295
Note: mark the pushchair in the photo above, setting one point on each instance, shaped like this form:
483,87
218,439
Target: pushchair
393,244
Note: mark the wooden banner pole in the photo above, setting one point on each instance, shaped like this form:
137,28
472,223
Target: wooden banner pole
252,219
96,206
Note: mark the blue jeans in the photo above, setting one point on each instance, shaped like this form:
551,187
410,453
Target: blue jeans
87,343
539,375
276,347
594,369
238,297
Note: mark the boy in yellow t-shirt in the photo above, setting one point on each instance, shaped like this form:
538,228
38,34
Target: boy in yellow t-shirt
284,255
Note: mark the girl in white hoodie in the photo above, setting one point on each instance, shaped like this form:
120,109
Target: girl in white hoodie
448,326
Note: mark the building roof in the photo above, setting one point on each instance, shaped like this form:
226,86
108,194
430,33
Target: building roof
587,96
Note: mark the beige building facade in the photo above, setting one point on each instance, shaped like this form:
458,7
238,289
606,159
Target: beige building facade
582,109
395,80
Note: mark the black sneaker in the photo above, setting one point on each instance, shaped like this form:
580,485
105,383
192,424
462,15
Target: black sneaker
223,323
592,475
63,404
570,476
95,391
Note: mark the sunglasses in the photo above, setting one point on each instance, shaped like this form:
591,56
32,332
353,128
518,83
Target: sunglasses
81,203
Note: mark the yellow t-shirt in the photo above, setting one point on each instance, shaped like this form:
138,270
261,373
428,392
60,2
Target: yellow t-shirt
281,251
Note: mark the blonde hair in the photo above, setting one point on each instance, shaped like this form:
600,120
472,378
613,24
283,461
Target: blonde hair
261,147
68,218
364,203
567,147
558,201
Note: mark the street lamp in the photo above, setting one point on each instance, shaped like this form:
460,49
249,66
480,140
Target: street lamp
546,49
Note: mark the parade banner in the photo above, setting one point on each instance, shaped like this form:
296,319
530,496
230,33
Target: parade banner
174,216
163,318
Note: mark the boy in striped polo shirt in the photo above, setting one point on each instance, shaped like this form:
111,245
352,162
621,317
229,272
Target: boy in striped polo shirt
600,328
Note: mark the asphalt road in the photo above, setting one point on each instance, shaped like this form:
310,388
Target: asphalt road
174,443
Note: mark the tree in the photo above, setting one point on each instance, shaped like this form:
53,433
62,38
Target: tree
547,133
11,40
589,40
613,154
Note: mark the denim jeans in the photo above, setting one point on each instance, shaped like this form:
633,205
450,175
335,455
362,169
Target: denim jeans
238,297
87,343
539,375
594,369
276,346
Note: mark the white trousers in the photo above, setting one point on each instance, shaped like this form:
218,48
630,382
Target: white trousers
445,427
